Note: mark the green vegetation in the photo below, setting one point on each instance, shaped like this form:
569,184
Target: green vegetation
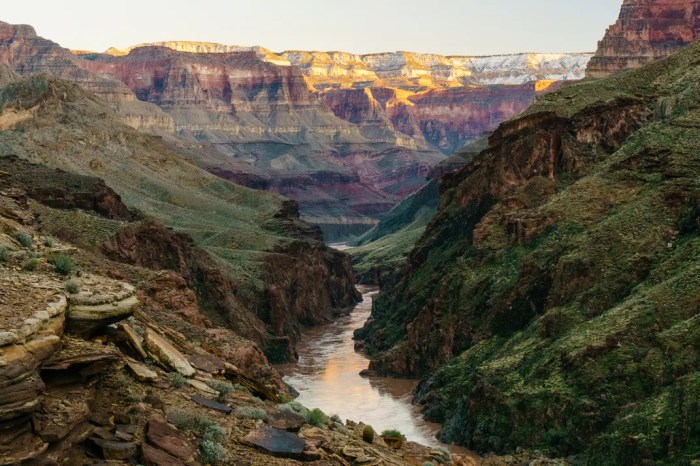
30,264
62,263
224,388
368,434
73,286
569,301
177,380
248,412
212,436
391,433
24,239
5,254
317,418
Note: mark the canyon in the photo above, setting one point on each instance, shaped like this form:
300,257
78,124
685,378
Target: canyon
344,135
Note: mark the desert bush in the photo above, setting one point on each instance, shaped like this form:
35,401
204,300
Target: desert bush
72,286
189,419
48,242
213,452
248,412
391,433
335,418
317,418
368,434
177,380
296,408
223,387
5,254
24,239
62,263
31,264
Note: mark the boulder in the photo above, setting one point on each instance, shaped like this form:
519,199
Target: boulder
169,440
275,442
284,420
207,363
101,302
153,456
111,450
315,437
167,354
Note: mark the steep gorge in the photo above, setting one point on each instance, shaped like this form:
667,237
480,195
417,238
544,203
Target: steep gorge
553,299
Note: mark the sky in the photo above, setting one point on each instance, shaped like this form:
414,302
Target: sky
450,27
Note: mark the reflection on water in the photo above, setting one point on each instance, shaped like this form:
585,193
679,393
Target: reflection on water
327,377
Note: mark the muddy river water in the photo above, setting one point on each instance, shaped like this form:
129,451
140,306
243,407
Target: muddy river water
327,376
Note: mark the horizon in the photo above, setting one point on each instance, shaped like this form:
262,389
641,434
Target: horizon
473,28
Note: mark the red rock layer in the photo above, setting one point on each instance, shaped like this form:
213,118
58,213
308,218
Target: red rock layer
646,30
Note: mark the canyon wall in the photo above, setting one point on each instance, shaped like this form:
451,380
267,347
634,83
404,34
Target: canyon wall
646,30
538,318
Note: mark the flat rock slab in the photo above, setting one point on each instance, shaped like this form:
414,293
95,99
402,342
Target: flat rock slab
142,372
111,450
284,420
165,438
211,404
166,353
207,363
155,457
276,442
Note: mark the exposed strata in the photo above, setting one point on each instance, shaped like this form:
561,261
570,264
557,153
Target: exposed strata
646,30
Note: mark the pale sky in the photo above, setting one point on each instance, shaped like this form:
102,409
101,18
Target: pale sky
451,27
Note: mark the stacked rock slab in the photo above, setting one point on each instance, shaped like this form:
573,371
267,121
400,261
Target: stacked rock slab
30,334
99,303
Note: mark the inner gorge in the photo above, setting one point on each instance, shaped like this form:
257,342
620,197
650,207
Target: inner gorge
215,254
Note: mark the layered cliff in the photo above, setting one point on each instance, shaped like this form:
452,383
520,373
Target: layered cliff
554,296
646,30
238,234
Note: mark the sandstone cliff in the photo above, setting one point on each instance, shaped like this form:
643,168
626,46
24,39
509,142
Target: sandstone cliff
554,295
647,30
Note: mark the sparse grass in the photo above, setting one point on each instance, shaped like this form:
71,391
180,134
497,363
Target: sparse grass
62,263
48,242
177,380
249,412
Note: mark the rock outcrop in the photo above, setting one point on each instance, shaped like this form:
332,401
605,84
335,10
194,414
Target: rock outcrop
528,301
647,30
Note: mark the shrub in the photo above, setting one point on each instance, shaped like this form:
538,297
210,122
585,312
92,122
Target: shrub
213,452
296,408
368,434
240,388
31,264
214,432
223,387
317,418
62,263
391,433
188,419
335,418
248,412
177,380
24,239
48,242
428,463
444,456
72,286
5,254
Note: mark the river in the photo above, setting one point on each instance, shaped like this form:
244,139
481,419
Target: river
327,377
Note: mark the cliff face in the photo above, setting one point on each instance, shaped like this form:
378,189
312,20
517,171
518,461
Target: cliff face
647,30
539,297
260,124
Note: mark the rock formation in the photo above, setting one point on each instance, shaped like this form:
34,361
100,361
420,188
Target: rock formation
646,30
540,319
